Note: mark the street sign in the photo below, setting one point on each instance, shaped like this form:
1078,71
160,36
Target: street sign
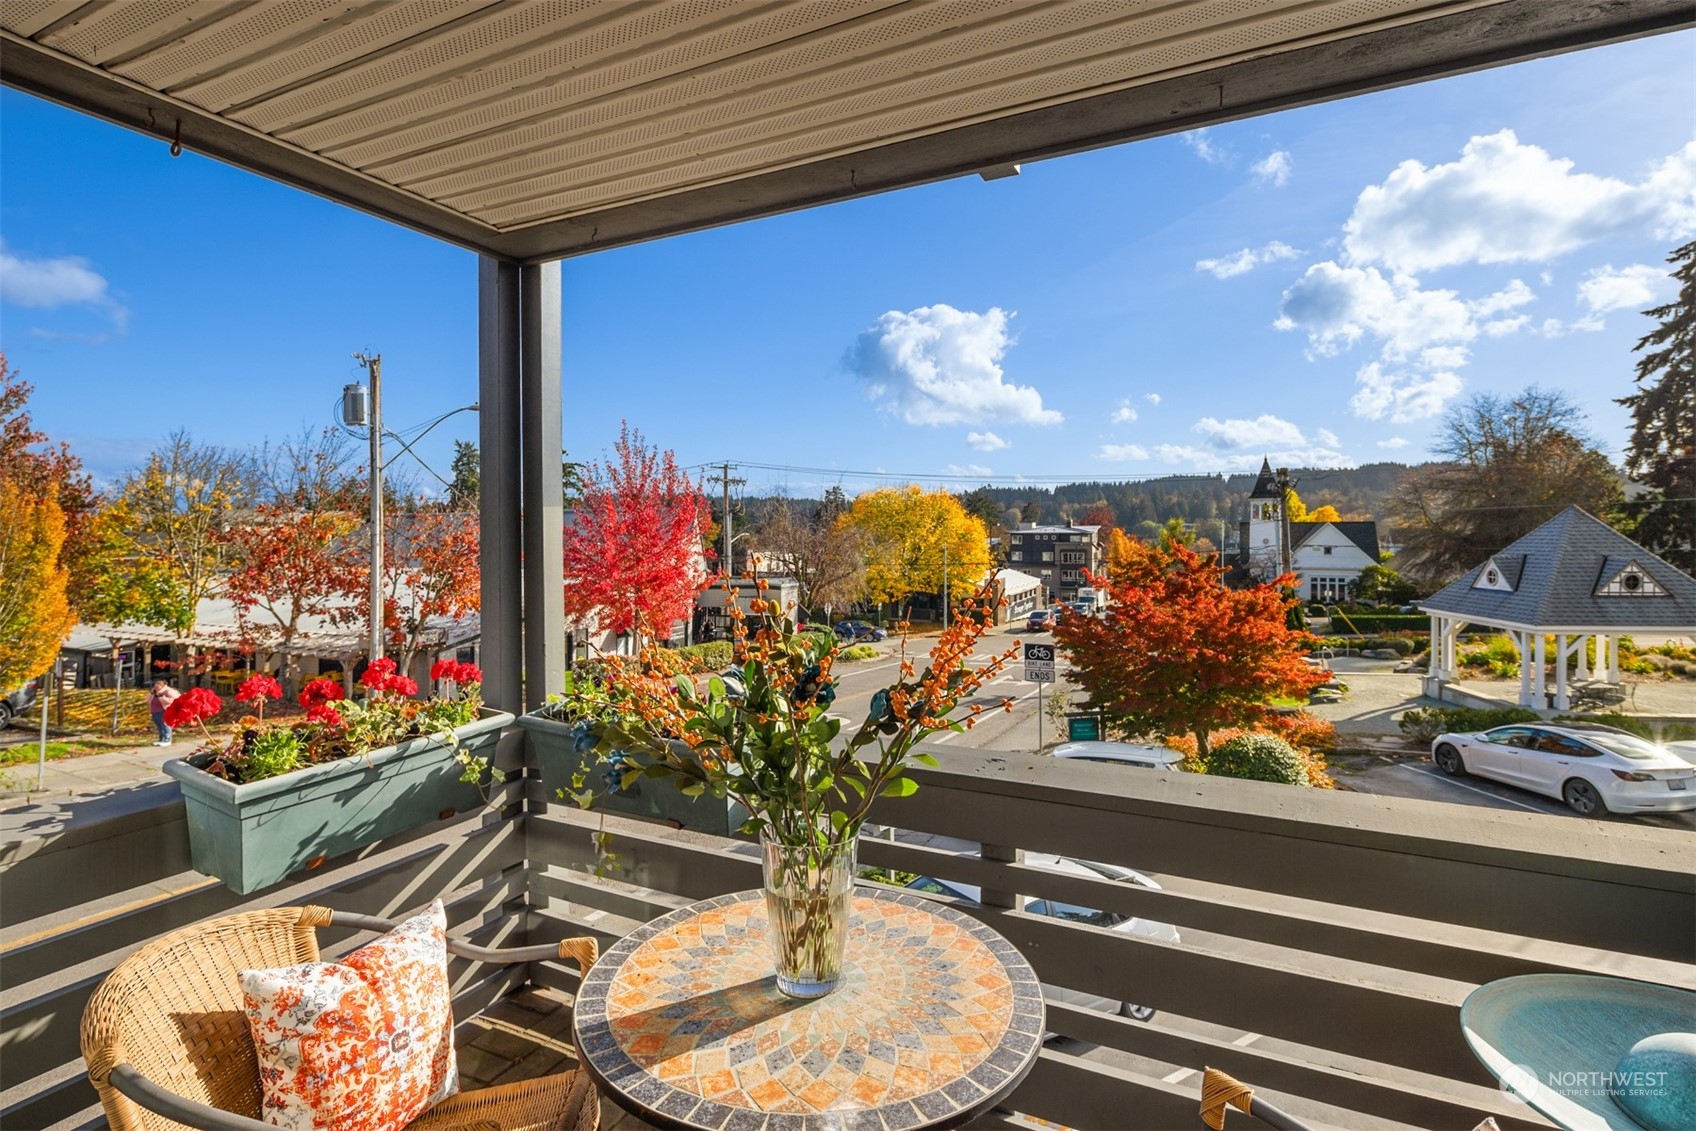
1039,663
1083,728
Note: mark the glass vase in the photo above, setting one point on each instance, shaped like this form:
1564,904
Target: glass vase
809,890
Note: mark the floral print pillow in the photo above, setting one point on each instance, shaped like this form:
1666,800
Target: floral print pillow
364,1044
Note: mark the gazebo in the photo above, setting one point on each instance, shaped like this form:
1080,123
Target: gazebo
1574,578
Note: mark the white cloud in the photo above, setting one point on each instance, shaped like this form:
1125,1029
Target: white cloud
1510,297
1274,167
1627,288
1506,202
1246,260
987,441
1445,357
1121,452
1202,146
47,284
1413,394
1151,398
939,365
1242,443
1124,414
1501,327
1265,431
975,470
1327,437
1393,443
1337,306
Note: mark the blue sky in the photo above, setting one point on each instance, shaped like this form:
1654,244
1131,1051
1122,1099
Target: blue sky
1317,285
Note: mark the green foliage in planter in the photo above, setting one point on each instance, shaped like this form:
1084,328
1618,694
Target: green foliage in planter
854,653
1258,757
1424,724
1498,656
272,752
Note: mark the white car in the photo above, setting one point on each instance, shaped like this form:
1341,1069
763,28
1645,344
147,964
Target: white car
1685,750
1139,754
1161,932
1596,770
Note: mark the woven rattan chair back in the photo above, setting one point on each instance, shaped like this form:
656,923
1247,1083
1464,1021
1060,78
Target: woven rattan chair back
173,1009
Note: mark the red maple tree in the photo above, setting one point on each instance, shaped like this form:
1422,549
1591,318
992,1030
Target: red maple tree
632,547
1179,653
432,573
294,564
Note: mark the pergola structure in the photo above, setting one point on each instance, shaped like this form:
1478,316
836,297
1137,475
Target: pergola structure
534,130
1574,578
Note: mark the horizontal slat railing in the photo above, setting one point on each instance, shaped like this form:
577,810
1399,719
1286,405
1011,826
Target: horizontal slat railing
86,882
1337,933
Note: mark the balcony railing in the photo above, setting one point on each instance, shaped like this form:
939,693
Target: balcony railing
1327,938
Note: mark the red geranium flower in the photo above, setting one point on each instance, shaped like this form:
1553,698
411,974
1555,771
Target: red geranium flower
319,691
401,685
195,705
456,671
378,673
261,688
325,714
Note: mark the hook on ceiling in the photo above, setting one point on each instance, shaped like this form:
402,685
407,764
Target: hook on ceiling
177,140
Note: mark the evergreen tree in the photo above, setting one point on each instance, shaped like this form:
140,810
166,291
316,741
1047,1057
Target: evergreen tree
466,488
1662,451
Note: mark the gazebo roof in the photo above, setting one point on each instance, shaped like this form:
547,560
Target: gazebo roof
537,130
1573,572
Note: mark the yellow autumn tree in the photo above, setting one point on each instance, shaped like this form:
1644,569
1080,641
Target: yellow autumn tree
35,615
1119,550
1326,513
907,535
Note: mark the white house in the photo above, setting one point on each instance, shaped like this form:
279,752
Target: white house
1326,557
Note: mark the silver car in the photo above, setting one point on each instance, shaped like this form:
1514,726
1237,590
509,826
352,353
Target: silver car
1160,932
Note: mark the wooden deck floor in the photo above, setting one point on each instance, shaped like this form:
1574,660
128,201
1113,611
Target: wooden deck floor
525,1036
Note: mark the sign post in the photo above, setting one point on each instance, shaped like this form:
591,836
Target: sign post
1039,669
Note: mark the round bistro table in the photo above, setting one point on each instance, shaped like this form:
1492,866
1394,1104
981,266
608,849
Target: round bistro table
937,1018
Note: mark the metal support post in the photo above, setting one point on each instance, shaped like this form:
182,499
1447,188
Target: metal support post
499,504
544,489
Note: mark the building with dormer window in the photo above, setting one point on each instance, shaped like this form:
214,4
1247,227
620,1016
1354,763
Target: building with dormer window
1326,557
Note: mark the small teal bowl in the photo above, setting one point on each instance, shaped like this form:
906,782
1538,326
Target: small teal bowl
1657,1082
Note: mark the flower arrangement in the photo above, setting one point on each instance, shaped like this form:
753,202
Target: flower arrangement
760,734
336,726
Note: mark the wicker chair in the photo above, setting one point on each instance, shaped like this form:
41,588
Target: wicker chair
1219,1091
167,1041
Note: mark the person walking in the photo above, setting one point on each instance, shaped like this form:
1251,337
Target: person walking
160,698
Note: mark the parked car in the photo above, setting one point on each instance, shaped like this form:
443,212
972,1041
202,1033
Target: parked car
1596,770
1037,621
1160,932
1143,755
17,702
1055,614
858,631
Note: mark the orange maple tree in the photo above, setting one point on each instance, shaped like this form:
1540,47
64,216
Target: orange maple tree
633,545
432,572
1177,652
294,564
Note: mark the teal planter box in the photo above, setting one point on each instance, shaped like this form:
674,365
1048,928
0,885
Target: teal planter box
251,836
553,749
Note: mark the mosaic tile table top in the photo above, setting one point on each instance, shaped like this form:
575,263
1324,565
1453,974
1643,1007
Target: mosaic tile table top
937,1018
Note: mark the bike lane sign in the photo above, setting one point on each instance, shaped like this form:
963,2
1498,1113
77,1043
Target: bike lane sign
1039,663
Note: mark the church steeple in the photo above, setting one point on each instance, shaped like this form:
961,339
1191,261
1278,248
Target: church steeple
1263,532
1265,487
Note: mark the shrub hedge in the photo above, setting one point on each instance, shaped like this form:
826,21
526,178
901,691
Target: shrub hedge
1424,724
1258,757
1382,622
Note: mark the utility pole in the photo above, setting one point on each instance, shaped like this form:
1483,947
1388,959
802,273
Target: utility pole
945,587
727,482
374,365
1284,489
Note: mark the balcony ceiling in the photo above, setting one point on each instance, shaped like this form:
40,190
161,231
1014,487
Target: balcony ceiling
547,128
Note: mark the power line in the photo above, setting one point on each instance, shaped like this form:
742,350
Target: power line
1011,480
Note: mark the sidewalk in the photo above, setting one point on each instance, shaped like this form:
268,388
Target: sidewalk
87,774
